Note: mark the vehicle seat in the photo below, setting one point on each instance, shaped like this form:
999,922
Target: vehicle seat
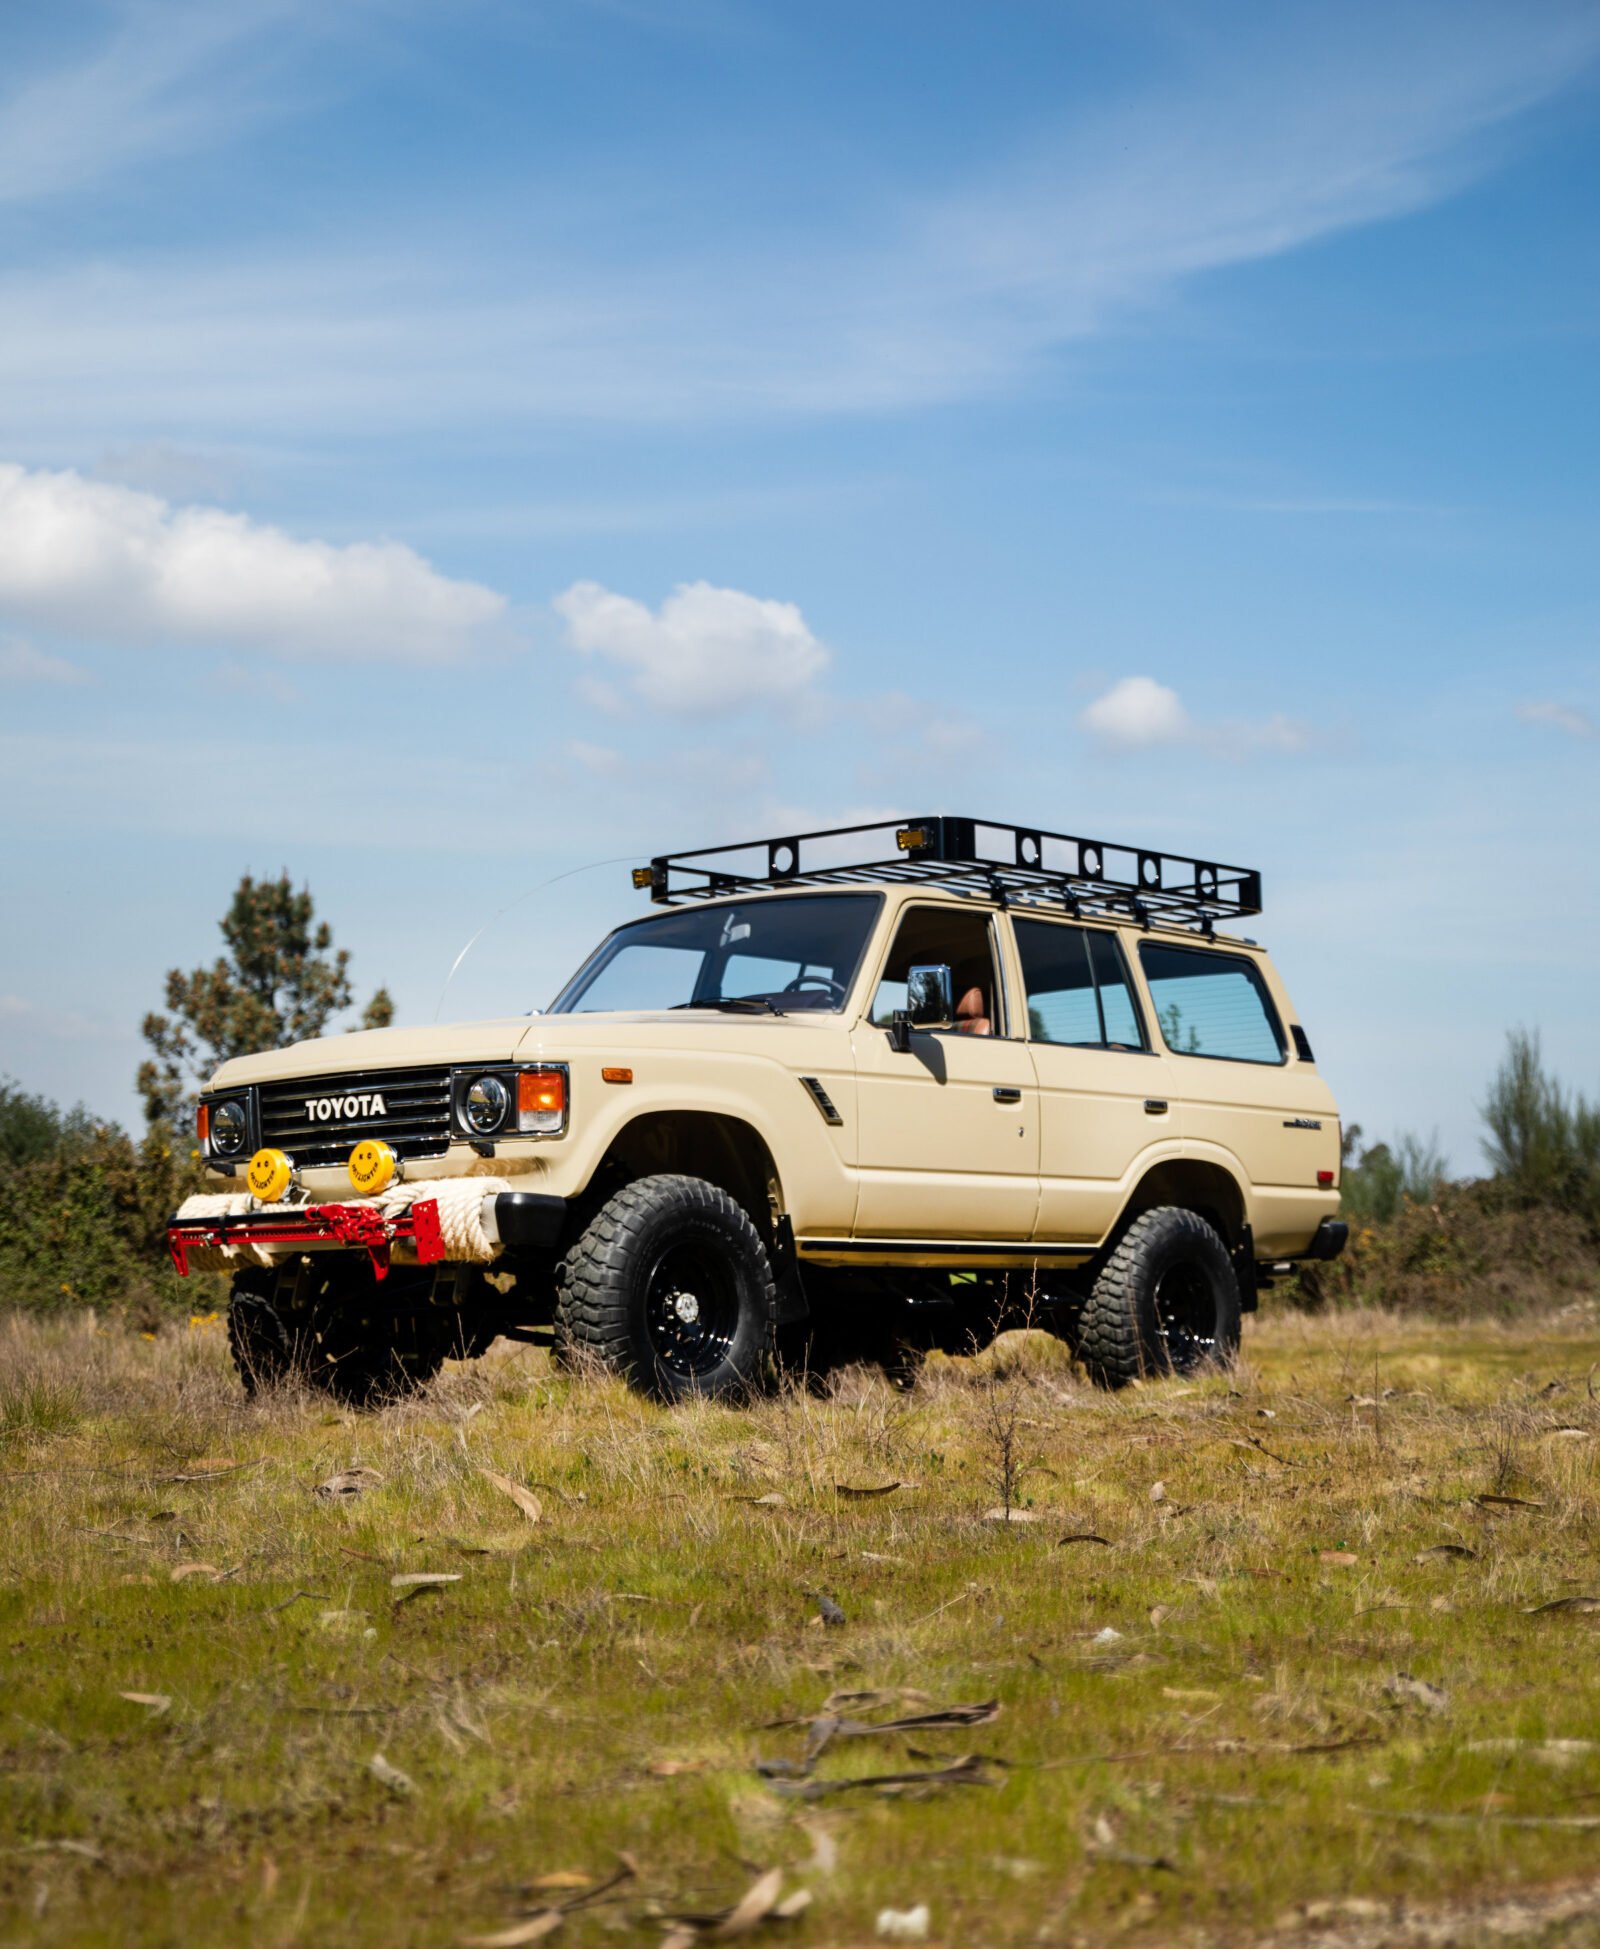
972,1017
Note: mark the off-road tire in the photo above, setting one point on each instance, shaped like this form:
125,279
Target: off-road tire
1166,1302
374,1340
265,1349
625,1286
363,1340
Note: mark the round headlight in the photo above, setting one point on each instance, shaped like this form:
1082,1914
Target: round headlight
486,1103
228,1129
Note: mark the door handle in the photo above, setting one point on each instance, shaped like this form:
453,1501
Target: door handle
1007,1096
1155,1106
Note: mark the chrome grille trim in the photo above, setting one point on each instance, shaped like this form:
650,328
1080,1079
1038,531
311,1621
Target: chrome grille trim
415,1121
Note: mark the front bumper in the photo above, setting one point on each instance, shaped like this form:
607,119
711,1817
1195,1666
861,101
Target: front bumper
270,1232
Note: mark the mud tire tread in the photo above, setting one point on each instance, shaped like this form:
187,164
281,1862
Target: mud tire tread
1118,1339
597,1303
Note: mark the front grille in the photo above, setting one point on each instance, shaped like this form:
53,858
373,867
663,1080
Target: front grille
414,1121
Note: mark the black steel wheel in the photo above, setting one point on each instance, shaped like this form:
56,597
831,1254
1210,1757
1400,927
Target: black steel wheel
670,1286
1166,1301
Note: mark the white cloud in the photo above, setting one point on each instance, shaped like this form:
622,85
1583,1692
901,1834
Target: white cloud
601,759
704,649
21,663
114,563
1139,714
1559,717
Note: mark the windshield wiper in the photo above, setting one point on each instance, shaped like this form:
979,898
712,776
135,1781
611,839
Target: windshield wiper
738,1005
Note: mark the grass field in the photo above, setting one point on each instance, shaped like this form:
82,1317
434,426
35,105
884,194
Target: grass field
1288,1653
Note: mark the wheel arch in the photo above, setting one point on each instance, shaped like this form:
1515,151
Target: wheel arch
724,1149
1196,1184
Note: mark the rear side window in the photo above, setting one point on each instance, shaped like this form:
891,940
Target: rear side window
1077,987
1211,1004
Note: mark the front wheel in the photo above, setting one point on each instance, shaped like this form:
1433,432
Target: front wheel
1166,1302
670,1286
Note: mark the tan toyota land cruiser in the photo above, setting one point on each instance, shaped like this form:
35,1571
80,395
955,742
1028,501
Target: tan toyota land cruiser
850,1094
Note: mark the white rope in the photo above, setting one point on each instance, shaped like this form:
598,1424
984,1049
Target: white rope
460,1202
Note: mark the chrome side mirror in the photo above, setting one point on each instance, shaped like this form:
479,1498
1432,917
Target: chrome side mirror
930,997
930,1003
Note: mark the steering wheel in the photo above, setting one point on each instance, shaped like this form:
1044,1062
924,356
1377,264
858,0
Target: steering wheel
835,990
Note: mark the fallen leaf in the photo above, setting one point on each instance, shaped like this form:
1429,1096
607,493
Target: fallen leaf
1109,1634
525,1499
347,1482
1158,1491
1418,1691
423,1579
772,1500
1159,1613
1196,1693
563,1878
670,1769
882,1489
1568,1434
157,1702
756,1903
793,1904
390,1776
1584,1603
546,1922
828,1609
1439,1550
1507,1502
182,1572
903,1924
1084,1536
1341,1559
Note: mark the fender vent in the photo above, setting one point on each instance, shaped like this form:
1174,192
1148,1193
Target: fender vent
821,1098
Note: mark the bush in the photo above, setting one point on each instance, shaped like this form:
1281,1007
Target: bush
83,1211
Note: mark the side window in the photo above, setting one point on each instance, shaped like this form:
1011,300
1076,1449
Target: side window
959,940
1077,987
1211,1004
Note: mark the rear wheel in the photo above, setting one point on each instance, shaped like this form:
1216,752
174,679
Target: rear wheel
1166,1302
671,1287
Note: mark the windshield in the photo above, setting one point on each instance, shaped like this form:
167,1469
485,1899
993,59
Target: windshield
783,955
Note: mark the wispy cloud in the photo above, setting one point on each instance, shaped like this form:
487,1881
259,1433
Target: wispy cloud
1559,717
167,80
22,663
1139,714
122,566
1288,129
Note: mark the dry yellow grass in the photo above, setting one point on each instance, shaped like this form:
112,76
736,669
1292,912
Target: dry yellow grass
1300,1636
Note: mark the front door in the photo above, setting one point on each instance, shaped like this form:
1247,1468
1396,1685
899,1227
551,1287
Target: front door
949,1132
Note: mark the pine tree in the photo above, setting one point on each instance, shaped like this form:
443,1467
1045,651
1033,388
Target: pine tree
281,980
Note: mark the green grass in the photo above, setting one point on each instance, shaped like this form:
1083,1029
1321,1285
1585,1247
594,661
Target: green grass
1294,1710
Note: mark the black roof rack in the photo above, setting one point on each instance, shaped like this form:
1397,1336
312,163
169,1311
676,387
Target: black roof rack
1016,865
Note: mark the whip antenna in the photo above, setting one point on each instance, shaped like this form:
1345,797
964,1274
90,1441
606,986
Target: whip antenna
527,894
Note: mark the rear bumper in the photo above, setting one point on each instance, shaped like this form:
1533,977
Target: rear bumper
1328,1241
272,1232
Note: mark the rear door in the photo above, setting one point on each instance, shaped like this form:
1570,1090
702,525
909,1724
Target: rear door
1241,1084
1104,1108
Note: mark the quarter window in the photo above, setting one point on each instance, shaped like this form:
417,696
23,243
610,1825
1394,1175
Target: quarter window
1077,987
1211,1004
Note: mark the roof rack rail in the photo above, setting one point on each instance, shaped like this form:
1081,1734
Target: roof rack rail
1016,865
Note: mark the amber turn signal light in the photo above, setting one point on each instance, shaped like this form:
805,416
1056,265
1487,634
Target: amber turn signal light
643,877
616,1075
202,1123
541,1093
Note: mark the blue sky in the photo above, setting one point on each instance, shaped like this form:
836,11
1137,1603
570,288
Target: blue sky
444,447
